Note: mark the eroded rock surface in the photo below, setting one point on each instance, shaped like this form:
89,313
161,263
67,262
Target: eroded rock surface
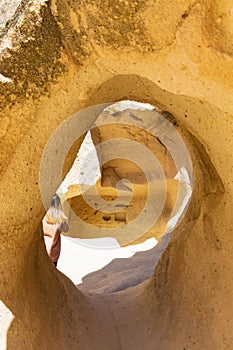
59,57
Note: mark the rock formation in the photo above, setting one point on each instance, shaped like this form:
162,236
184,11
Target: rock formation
59,57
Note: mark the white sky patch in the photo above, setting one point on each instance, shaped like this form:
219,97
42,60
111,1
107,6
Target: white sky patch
184,178
86,169
4,79
6,317
127,104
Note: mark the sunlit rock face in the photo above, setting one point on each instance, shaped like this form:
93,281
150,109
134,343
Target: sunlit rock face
97,216
59,57
115,170
7,10
219,25
127,199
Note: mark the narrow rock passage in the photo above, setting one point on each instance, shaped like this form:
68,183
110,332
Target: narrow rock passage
119,306
129,314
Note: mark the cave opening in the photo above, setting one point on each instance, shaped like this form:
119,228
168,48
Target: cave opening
129,186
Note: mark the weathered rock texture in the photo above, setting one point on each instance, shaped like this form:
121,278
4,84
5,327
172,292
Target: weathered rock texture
103,219
59,57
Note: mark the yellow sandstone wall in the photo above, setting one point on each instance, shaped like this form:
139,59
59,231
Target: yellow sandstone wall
59,57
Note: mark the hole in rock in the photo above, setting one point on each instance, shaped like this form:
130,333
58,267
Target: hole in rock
106,217
129,185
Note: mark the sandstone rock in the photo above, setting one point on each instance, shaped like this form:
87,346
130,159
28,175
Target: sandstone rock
59,57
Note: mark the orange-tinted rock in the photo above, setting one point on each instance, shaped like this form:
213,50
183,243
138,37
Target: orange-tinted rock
56,61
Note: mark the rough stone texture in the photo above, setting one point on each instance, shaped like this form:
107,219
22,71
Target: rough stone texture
99,218
58,57
123,169
7,10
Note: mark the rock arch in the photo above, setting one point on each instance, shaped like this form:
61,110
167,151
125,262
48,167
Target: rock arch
45,77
